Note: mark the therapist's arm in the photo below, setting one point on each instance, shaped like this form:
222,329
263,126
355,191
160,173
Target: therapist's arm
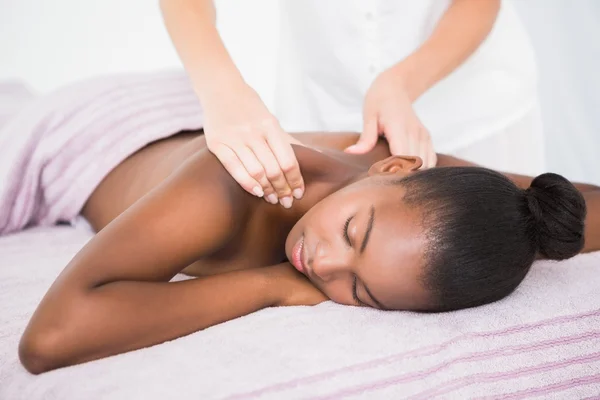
192,27
460,31
239,129
388,107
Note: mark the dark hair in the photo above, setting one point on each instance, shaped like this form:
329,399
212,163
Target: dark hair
484,232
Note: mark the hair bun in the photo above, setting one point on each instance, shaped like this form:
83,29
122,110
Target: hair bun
558,213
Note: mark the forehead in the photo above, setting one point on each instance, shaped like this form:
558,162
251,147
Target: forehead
392,264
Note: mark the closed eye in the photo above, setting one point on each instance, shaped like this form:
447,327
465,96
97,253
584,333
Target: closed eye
345,232
355,294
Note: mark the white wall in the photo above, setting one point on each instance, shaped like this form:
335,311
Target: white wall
566,36
51,42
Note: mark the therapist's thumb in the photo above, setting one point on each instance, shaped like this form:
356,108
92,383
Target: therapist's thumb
367,140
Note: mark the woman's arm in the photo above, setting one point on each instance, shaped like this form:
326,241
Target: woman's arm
192,27
114,296
591,194
460,31
387,108
239,128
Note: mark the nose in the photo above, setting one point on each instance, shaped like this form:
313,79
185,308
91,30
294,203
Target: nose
327,262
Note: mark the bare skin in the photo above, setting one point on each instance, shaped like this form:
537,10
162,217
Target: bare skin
262,240
172,207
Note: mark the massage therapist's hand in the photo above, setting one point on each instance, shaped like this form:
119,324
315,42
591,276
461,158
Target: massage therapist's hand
247,139
292,288
388,111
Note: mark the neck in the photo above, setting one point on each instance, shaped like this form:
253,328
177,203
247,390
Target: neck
324,173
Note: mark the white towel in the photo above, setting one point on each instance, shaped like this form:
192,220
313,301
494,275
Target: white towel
541,342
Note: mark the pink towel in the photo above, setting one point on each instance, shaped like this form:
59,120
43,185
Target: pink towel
59,147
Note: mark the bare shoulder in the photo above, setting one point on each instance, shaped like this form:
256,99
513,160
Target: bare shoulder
190,215
203,174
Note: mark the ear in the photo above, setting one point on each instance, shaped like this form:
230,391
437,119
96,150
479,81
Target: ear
395,165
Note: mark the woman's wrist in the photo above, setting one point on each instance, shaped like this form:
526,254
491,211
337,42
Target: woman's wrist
408,79
457,35
222,83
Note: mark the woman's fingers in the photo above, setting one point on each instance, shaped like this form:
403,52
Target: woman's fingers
398,141
273,172
249,142
237,170
424,154
281,147
432,159
411,142
256,170
426,151
368,138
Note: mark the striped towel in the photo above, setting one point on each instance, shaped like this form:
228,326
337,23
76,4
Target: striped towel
542,342
59,147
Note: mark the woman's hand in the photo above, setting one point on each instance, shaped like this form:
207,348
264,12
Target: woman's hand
388,111
292,288
247,139
239,129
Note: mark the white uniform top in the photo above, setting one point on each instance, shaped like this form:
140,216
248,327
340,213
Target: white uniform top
332,50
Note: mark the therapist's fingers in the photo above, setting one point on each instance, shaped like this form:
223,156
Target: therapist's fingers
413,143
398,140
257,172
284,153
432,160
430,152
274,173
426,151
368,138
236,169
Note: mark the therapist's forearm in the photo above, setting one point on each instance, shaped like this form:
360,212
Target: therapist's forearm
460,31
192,27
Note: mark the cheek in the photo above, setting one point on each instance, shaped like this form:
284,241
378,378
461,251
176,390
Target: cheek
339,291
315,219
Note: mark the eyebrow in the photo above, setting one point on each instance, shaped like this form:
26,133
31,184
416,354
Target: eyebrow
373,297
369,229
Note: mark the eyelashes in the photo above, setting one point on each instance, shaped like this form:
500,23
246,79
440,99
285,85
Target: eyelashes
345,231
355,279
355,294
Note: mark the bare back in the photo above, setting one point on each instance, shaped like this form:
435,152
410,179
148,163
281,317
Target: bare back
151,165
261,240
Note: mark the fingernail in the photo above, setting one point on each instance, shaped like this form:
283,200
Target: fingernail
272,198
298,193
286,202
258,191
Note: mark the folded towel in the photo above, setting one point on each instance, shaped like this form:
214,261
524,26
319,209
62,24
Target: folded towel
59,147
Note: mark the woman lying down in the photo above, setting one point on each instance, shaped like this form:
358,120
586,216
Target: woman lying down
371,231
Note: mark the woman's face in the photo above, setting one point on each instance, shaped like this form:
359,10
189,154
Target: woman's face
363,246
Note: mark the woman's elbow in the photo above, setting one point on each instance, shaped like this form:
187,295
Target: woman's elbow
40,351
49,341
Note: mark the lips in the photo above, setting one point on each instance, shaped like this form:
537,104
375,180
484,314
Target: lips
297,258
